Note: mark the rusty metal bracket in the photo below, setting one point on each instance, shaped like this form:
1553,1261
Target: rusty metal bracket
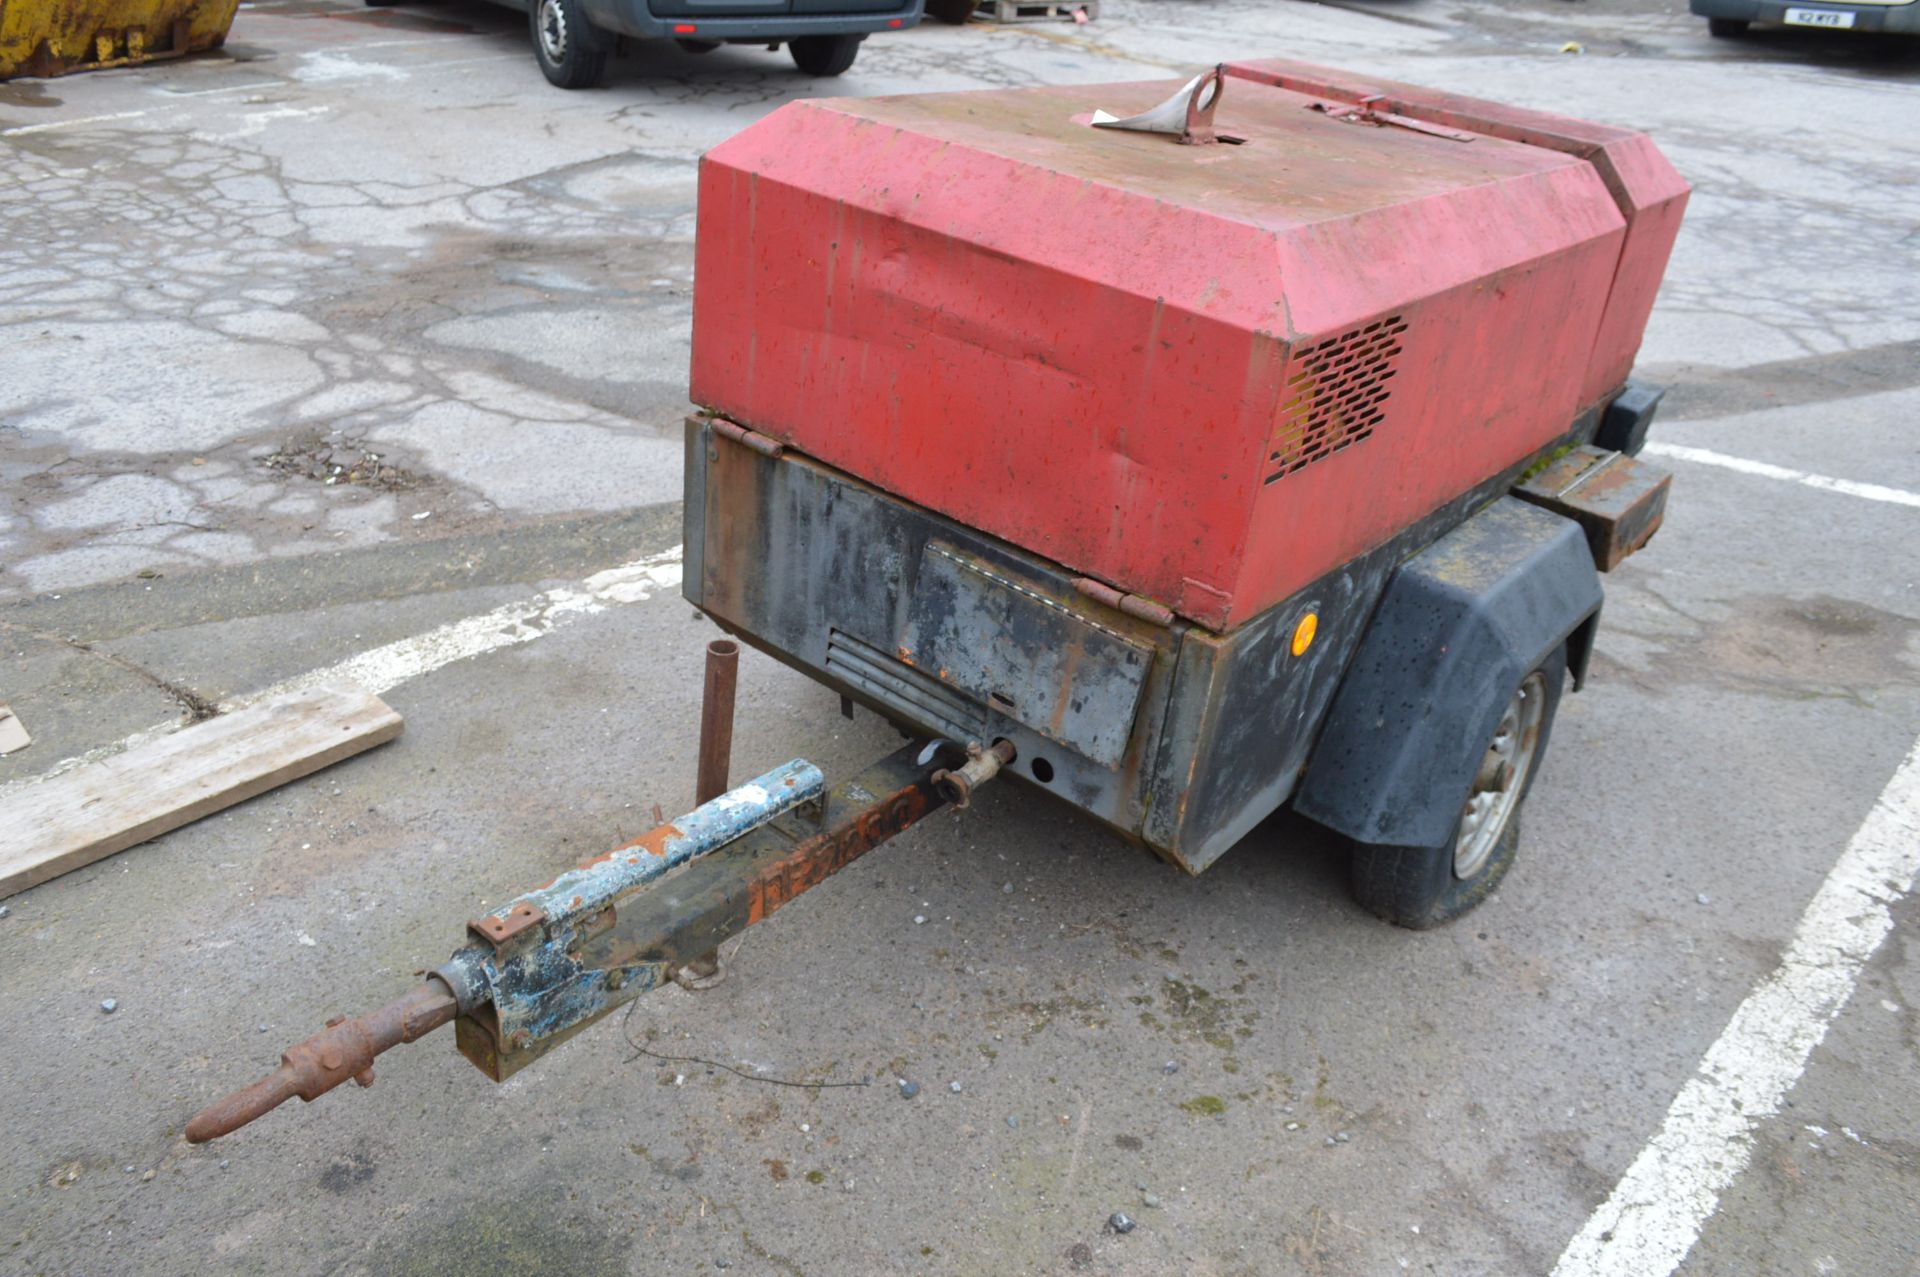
1199,130
712,899
497,930
1619,502
1372,110
1187,114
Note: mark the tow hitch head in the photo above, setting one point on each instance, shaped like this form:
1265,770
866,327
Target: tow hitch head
547,964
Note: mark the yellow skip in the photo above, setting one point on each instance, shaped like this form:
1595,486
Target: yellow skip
46,38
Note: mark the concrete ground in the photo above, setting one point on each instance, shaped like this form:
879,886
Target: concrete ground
358,329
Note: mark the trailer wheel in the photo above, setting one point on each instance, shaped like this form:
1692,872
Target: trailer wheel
571,51
1422,887
825,55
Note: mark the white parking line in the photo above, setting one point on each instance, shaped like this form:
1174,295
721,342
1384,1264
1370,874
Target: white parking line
508,626
1764,470
225,88
1655,1213
382,668
23,129
411,44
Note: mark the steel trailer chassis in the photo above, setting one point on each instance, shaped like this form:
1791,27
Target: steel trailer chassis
1367,700
1357,699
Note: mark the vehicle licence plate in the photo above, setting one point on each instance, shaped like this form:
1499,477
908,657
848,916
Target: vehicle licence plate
1818,18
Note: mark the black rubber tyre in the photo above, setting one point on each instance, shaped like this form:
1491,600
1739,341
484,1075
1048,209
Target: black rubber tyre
824,55
1420,887
571,51
1727,28
952,12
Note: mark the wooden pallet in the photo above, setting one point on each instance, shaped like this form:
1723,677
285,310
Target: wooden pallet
1033,10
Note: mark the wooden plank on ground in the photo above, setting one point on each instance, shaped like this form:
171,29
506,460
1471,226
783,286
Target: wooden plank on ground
97,809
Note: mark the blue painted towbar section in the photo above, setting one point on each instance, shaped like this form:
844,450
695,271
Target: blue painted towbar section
580,893
528,965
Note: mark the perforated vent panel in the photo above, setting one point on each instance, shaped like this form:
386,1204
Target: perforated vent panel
1336,397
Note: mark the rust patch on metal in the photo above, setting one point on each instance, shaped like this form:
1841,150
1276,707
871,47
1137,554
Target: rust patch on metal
1070,658
765,445
716,720
819,858
732,486
1147,610
497,931
344,1049
655,842
1619,502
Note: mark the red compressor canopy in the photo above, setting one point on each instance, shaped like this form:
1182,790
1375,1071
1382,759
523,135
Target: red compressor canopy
1206,374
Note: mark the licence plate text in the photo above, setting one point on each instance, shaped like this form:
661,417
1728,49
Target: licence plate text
1818,18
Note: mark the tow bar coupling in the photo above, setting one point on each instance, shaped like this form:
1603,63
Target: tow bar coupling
982,765
548,963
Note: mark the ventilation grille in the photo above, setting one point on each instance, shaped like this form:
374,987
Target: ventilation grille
893,682
1337,397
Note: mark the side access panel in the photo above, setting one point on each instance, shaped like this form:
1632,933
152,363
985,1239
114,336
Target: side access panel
1461,624
1073,680
927,621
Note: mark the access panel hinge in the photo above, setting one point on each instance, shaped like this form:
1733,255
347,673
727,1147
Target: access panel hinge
1134,605
765,445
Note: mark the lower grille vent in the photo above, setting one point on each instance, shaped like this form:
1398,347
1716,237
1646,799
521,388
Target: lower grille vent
898,684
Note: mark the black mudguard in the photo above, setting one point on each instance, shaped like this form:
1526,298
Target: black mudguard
1458,628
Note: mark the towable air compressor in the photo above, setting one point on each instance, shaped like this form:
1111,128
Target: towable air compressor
1182,457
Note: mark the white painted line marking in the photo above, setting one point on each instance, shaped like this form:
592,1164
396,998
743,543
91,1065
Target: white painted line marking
226,88
1763,470
23,129
507,626
431,68
324,67
254,123
382,668
1654,1215
412,44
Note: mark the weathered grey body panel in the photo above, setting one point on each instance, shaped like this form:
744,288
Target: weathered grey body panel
1065,675
1180,737
823,572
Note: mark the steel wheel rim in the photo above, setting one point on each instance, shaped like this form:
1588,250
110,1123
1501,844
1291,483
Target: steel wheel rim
553,31
1500,778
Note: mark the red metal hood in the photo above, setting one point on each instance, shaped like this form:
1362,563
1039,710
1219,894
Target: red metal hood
1204,374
